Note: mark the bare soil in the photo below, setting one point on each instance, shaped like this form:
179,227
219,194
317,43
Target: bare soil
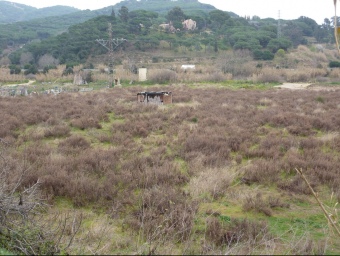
307,86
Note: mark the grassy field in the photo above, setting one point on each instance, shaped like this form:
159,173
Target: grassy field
213,173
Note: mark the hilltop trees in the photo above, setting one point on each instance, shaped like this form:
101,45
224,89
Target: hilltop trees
218,18
124,14
216,30
279,43
176,16
141,19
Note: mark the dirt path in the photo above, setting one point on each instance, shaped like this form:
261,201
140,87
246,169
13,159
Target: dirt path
24,84
307,86
293,86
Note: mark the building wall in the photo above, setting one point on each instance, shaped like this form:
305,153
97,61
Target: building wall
142,74
156,99
140,98
167,99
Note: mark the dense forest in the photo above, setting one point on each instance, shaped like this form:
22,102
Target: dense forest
35,46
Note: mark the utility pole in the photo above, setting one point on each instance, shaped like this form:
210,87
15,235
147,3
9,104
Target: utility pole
110,45
279,33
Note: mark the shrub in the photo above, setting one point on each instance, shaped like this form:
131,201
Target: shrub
213,182
58,131
258,204
73,144
22,229
263,55
334,64
267,76
295,185
236,231
162,76
165,213
84,122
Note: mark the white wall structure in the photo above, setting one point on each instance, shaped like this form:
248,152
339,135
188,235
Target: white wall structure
142,74
185,67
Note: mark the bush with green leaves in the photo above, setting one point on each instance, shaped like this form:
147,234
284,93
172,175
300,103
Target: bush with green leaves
334,64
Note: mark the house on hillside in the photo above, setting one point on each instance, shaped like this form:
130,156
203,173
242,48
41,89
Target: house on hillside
189,24
168,27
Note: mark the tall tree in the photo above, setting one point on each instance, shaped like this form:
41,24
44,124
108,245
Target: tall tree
218,18
176,16
124,14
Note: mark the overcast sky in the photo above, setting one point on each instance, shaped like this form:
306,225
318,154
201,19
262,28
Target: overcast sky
318,10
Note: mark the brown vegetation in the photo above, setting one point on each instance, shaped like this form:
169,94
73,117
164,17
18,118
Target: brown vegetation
153,166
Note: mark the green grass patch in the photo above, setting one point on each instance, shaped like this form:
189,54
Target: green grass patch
182,165
286,227
240,84
63,203
5,252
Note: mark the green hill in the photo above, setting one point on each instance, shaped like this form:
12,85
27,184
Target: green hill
162,6
70,38
13,12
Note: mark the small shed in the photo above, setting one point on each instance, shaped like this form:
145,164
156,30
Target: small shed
157,98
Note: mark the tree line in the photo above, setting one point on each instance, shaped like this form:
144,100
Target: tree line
215,31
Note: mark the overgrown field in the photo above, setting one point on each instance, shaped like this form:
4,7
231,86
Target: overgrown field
213,173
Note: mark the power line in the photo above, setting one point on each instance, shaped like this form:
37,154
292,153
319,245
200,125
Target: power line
110,45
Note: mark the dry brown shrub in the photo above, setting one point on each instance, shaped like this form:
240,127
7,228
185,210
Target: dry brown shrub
258,204
294,76
263,171
317,72
308,57
57,131
6,76
146,172
9,126
203,144
334,73
162,76
293,160
164,213
267,75
295,185
275,202
218,77
213,182
98,162
84,122
322,124
305,245
335,144
37,153
73,144
81,190
236,231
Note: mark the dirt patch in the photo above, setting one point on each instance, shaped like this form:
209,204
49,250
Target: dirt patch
294,86
24,84
307,86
